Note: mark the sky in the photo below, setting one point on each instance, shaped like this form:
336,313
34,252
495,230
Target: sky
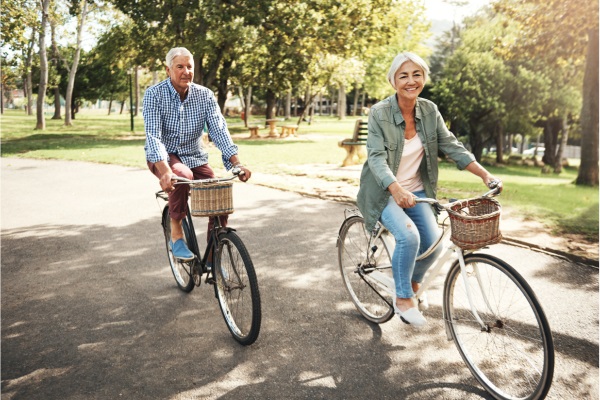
437,9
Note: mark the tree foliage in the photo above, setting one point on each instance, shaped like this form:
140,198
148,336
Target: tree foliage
483,94
556,34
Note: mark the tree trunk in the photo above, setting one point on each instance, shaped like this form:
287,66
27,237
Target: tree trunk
110,103
307,101
277,107
476,141
588,170
41,122
55,57
69,96
499,143
342,102
136,83
243,104
270,99
320,100
356,95
248,105
222,84
288,105
29,92
56,103
362,102
122,107
29,79
551,129
562,145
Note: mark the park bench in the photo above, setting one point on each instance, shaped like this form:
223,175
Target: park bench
355,152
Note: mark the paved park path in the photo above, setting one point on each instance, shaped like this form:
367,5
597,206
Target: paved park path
90,309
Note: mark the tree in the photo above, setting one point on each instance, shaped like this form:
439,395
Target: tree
401,28
41,122
81,15
588,170
556,34
19,20
483,92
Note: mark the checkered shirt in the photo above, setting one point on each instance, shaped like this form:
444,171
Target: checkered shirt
175,126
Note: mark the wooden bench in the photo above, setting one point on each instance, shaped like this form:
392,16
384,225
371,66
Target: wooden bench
354,146
287,130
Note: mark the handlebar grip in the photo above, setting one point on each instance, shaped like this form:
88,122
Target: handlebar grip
237,171
494,184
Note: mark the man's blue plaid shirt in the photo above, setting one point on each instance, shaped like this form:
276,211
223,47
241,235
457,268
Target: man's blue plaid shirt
175,126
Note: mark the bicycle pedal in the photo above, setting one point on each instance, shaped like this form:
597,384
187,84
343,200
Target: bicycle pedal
197,279
196,276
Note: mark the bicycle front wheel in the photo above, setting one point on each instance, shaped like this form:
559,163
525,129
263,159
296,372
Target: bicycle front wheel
512,354
358,268
182,271
236,288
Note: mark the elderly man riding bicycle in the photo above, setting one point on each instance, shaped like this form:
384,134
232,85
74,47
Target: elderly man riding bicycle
176,113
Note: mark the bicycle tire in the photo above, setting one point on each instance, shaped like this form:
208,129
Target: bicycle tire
236,288
181,270
373,303
513,358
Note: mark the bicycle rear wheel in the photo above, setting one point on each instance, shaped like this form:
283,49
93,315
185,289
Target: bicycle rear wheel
236,288
357,270
181,270
512,356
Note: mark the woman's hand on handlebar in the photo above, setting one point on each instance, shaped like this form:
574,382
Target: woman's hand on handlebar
402,197
494,183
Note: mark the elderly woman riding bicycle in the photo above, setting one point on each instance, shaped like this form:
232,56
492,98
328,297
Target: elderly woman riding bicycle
405,134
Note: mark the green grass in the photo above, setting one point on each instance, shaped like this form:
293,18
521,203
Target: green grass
552,199
96,137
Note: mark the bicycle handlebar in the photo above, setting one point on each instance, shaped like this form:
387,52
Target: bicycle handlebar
184,181
495,186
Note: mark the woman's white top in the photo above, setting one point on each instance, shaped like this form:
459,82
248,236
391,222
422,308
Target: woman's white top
408,173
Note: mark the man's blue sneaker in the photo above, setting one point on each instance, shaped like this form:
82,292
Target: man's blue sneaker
180,250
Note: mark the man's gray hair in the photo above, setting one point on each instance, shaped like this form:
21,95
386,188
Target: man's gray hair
176,52
401,59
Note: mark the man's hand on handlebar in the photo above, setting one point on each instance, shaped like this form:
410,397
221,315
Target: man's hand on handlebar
166,182
242,172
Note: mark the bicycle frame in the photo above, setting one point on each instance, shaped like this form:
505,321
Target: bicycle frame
192,241
450,253
211,246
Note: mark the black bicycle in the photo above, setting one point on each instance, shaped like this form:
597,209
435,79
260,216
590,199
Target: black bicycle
232,272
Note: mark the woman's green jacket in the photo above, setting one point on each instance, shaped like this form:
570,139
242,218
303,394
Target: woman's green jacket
385,141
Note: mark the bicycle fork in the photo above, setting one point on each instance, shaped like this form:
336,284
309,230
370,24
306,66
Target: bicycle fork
463,272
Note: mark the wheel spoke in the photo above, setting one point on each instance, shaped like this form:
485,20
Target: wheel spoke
356,265
514,357
237,289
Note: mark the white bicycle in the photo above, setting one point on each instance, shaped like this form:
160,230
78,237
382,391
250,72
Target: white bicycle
489,310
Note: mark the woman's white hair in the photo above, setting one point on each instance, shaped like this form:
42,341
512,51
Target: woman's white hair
401,59
176,52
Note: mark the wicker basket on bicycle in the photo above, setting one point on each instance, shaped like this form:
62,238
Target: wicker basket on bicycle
211,199
475,223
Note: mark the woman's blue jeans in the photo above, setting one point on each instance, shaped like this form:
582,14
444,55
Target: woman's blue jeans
415,230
